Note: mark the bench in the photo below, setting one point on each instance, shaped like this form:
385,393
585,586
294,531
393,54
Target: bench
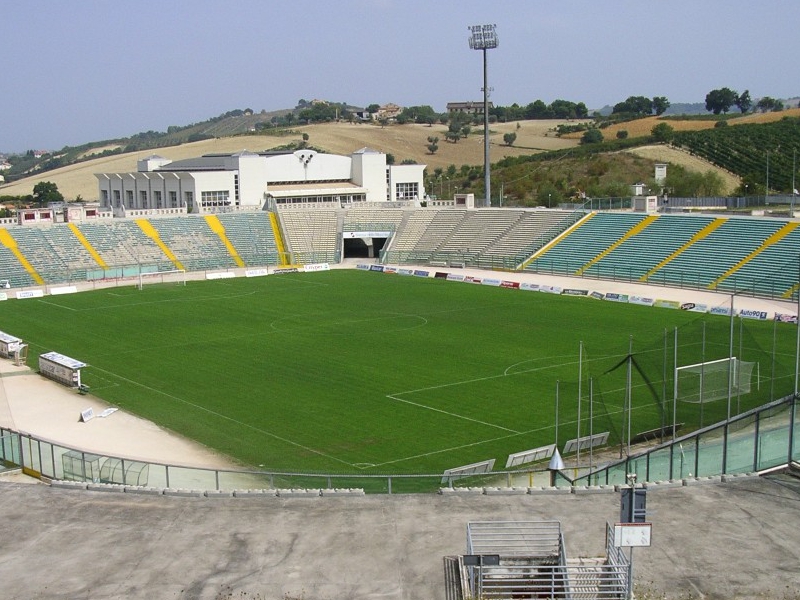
83,389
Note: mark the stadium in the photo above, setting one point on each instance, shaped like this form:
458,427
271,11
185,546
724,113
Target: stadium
462,351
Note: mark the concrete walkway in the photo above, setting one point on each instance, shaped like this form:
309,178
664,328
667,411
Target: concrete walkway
739,539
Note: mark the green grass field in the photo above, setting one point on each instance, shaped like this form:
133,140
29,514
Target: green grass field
358,372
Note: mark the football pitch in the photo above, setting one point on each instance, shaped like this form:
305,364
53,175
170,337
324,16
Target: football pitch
358,372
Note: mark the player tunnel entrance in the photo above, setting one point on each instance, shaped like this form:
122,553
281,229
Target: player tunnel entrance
364,244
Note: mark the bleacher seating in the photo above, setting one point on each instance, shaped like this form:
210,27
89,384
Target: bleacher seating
710,257
640,253
252,236
757,256
122,243
311,235
193,242
590,238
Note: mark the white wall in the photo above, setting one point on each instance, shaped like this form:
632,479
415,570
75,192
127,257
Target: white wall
369,171
307,165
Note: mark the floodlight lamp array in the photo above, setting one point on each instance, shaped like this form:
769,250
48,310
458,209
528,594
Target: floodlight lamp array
484,37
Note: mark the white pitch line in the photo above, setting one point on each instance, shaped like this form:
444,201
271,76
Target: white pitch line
452,414
226,418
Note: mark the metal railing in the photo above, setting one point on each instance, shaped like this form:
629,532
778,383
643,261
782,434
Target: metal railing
757,440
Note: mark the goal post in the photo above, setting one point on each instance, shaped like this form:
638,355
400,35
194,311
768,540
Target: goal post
176,276
713,380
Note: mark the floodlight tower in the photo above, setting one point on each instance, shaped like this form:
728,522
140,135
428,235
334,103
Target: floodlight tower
484,37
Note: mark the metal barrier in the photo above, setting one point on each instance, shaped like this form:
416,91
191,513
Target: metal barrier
757,440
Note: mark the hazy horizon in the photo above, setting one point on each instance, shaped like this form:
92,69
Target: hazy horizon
88,71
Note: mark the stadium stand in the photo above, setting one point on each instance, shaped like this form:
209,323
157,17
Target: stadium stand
755,256
708,258
640,253
311,235
252,236
593,234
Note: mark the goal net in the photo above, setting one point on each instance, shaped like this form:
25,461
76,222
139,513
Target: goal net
176,276
709,381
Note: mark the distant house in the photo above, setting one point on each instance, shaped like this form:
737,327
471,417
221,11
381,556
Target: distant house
388,111
39,153
4,166
470,108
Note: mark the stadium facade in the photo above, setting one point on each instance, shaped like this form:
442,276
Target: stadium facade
252,180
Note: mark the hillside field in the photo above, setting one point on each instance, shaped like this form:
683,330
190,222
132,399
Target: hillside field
403,141
357,372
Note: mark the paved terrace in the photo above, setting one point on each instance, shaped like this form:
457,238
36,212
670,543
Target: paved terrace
739,539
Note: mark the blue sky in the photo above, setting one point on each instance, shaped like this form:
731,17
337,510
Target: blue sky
81,71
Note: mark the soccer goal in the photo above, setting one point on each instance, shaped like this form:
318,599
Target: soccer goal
176,276
712,380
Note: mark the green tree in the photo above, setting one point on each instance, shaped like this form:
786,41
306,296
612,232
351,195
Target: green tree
660,105
509,138
433,144
622,134
767,104
663,132
45,192
743,101
592,136
721,100
635,105
373,108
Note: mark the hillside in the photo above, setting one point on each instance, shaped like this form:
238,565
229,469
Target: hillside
405,142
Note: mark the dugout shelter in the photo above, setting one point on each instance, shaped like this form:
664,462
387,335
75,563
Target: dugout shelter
60,368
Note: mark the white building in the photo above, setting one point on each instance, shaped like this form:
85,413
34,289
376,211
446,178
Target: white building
214,182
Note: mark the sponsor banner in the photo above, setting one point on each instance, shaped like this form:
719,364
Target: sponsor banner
285,270
613,297
778,317
721,310
378,268
641,300
419,273
366,234
471,279
316,267
440,275
667,304
531,287
3,296
550,289
692,307
390,270
68,289
256,272
30,294
362,267
405,271
753,314
492,282
454,277
222,275
597,295
574,292
509,284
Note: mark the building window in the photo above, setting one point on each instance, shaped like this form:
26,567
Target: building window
143,198
236,187
157,194
129,198
189,198
215,198
407,191
104,197
116,197
173,199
